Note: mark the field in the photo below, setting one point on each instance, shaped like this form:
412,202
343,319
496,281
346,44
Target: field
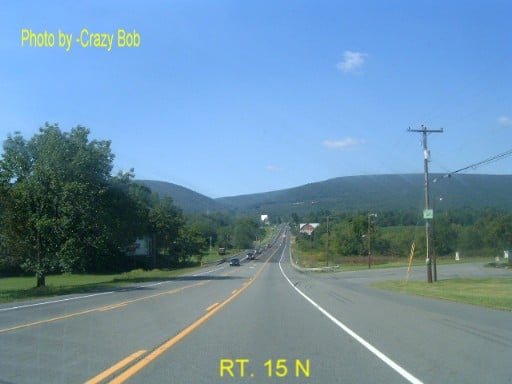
22,288
493,293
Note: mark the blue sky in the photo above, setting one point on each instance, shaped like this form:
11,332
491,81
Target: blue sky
237,97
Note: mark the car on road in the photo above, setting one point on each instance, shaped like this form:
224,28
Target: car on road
234,262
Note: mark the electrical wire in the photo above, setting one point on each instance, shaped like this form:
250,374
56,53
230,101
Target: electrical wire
480,163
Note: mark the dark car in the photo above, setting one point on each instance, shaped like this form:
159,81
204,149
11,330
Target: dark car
234,262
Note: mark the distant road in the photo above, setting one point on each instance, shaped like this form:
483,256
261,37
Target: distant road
260,322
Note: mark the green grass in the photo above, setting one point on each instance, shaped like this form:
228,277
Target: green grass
270,232
214,256
23,288
490,292
312,258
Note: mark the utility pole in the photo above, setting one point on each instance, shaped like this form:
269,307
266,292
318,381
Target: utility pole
327,256
370,215
428,213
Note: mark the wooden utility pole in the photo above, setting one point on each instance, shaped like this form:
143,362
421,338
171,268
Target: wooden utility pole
327,256
370,215
428,214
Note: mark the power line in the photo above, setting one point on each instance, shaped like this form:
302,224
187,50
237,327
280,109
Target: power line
480,163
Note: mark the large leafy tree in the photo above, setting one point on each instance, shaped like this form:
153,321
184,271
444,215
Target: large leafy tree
121,217
444,235
55,186
497,230
246,231
165,221
350,236
190,242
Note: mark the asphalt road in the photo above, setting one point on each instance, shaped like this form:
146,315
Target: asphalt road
262,322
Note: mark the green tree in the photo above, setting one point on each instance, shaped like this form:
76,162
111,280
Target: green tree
246,231
444,235
53,183
346,242
166,221
498,231
122,216
350,236
190,242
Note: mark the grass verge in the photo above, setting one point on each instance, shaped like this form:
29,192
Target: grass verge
22,288
318,258
490,292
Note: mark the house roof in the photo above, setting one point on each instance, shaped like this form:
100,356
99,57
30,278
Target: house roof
308,227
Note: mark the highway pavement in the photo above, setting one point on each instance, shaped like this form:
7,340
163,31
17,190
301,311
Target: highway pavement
262,322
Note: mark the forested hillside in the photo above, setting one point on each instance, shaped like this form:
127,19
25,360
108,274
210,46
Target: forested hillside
189,201
380,192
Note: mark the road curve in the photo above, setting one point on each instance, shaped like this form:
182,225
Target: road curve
257,323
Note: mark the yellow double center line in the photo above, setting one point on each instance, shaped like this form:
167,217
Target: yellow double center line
103,308
100,309
142,363
112,370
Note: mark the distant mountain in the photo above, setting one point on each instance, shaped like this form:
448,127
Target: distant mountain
354,193
380,192
184,198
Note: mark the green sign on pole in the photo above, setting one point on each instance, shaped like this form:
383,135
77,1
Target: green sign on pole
428,213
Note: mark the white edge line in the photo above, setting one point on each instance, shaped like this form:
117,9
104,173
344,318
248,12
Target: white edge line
207,272
54,301
408,376
96,294
152,284
92,295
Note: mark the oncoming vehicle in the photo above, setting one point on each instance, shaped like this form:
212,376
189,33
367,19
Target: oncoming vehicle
234,262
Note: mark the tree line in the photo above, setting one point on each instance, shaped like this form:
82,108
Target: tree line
485,232
62,210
